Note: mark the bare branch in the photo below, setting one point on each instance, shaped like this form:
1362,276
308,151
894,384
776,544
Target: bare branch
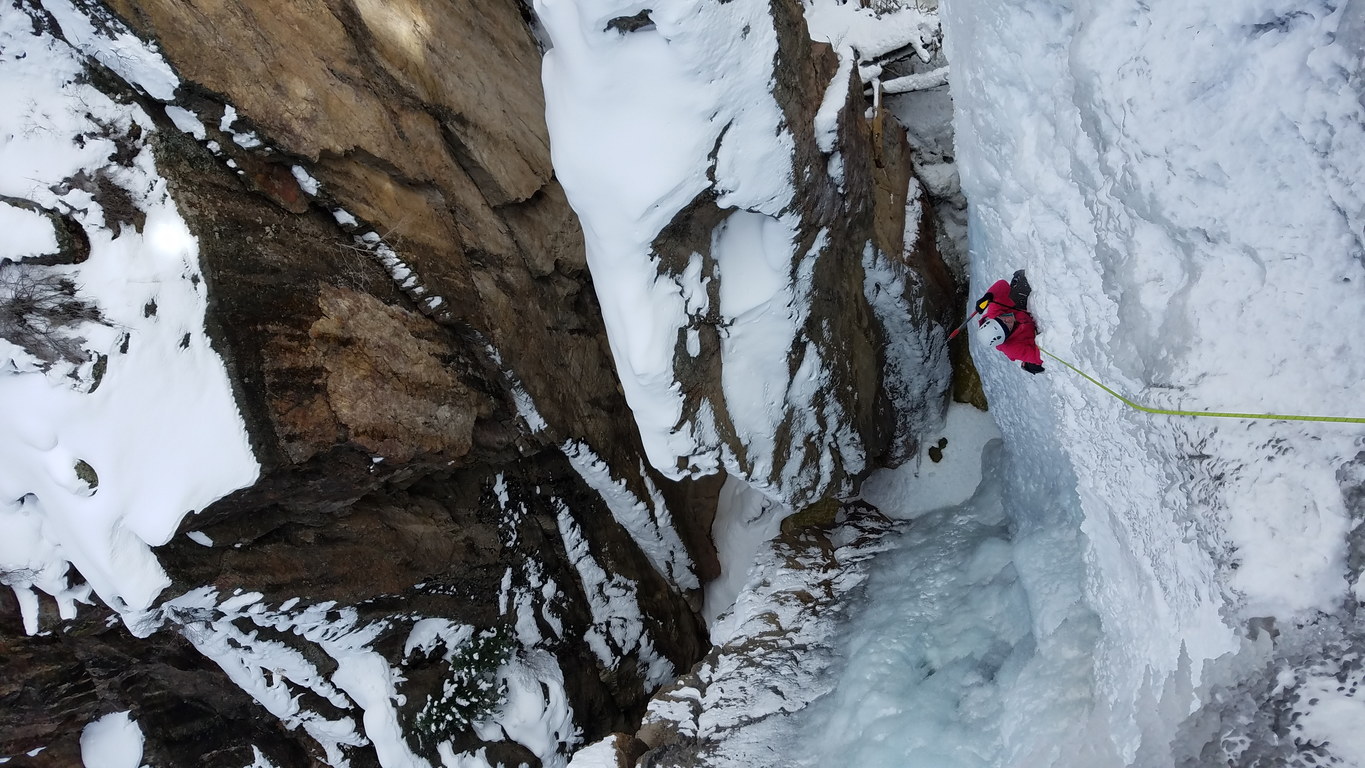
39,312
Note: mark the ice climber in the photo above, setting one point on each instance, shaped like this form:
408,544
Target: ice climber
1006,325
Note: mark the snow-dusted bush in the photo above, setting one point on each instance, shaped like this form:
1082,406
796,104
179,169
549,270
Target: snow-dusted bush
40,312
472,691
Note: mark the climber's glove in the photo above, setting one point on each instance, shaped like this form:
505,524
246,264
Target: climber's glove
984,302
1033,367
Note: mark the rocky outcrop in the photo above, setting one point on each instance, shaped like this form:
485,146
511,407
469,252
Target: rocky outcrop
862,212
425,122
805,313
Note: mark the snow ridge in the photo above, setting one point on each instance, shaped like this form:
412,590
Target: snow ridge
618,626
648,522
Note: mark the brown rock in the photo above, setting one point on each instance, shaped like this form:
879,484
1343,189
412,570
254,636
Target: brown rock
385,385
276,182
475,65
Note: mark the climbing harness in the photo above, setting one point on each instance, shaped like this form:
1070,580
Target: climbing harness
1171,412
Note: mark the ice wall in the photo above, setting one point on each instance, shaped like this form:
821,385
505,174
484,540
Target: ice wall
1181,184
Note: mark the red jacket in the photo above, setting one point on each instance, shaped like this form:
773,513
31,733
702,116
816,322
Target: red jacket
1020,344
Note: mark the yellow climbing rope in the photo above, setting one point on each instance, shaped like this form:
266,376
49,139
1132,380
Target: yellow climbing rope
1218,414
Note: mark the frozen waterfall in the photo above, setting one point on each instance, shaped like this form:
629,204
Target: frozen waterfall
1185,185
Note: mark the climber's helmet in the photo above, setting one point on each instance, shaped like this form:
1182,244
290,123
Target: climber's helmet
993,332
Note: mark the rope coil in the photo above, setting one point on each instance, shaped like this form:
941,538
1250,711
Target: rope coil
1216,414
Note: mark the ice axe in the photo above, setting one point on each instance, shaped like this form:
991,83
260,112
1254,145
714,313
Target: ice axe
958,329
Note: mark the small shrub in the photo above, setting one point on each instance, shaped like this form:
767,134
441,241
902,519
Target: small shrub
39,313
472,692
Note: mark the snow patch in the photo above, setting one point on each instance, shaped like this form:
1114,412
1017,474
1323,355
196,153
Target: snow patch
27,233
310,185
186,121
99,34
113,741
259,760
637,121
871,33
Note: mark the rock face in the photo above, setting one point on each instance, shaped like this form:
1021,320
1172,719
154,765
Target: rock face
803,311
399,290
425,121
389,385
